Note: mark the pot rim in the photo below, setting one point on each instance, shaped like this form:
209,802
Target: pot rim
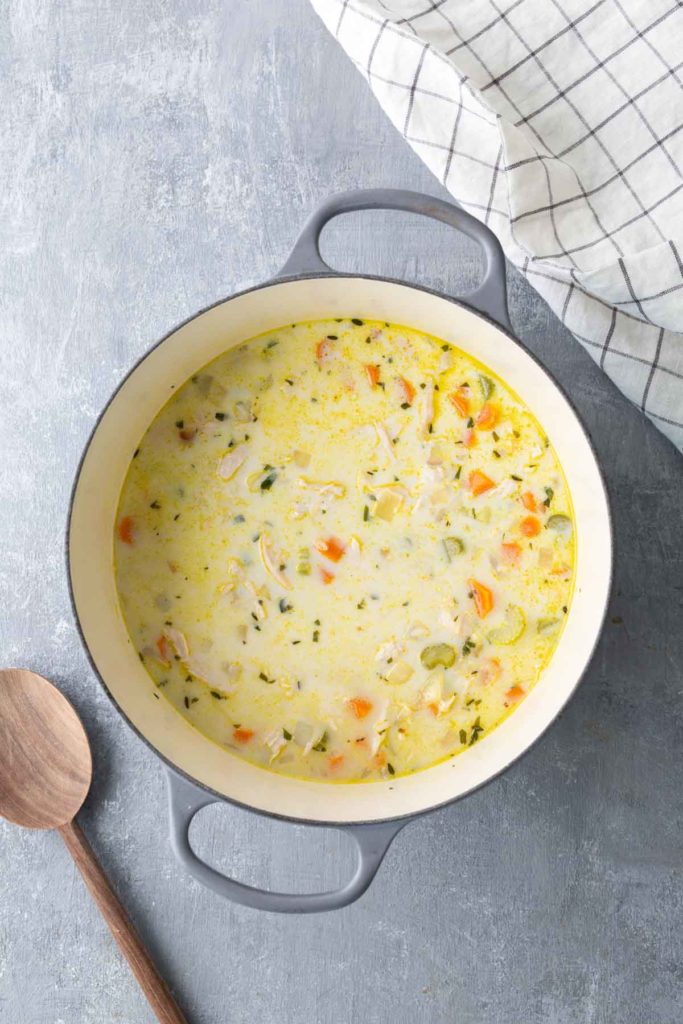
274,282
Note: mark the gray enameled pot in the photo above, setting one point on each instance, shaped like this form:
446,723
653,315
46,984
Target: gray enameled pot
200,772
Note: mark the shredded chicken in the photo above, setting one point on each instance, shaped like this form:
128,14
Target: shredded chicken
258,607
385,441
315,738
390,649
177,641
271,563
432,691
503,490
234,575
355,545
444,705
393,426
445,362
379,734
275,741
331,487
197,667
380,726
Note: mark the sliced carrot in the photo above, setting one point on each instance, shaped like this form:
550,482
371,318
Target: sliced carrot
322,350
489,415
515,693
126,530
434,708
325,575
380,759
161,644
561,570
483,598
529,501
360,707
408,390
335,761
460,401
362,741
242,735
331,548
470,439
512,552
530,526
479,482
373,374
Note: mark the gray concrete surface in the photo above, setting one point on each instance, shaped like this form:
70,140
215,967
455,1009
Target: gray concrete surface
155,157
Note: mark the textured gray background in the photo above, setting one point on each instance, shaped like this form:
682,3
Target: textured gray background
154,158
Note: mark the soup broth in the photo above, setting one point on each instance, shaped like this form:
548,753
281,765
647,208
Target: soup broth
344,550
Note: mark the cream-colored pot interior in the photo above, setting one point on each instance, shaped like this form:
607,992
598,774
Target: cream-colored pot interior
92,527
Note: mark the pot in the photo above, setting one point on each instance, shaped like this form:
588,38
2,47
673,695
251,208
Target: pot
199,771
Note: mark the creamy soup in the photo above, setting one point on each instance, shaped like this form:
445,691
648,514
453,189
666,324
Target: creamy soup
344,550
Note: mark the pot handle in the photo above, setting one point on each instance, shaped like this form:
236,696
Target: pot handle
490,298
372,842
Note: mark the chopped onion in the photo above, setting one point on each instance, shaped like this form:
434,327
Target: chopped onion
231,462
388,505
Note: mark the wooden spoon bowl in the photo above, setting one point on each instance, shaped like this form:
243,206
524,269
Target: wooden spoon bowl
45,775
45,759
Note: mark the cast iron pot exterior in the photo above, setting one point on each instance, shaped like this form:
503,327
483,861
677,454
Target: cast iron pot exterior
200,772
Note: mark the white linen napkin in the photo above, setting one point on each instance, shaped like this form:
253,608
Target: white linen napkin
558,123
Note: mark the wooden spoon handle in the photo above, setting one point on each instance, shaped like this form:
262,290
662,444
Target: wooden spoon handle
149,979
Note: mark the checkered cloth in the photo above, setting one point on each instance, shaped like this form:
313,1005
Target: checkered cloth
558,123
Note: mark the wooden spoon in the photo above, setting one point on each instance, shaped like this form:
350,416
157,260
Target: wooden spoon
45,774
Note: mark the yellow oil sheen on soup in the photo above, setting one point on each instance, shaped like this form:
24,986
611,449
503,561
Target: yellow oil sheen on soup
344,550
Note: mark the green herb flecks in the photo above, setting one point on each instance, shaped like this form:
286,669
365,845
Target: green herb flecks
477,729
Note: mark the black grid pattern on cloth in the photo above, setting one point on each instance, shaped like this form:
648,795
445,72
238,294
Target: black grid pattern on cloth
559,123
